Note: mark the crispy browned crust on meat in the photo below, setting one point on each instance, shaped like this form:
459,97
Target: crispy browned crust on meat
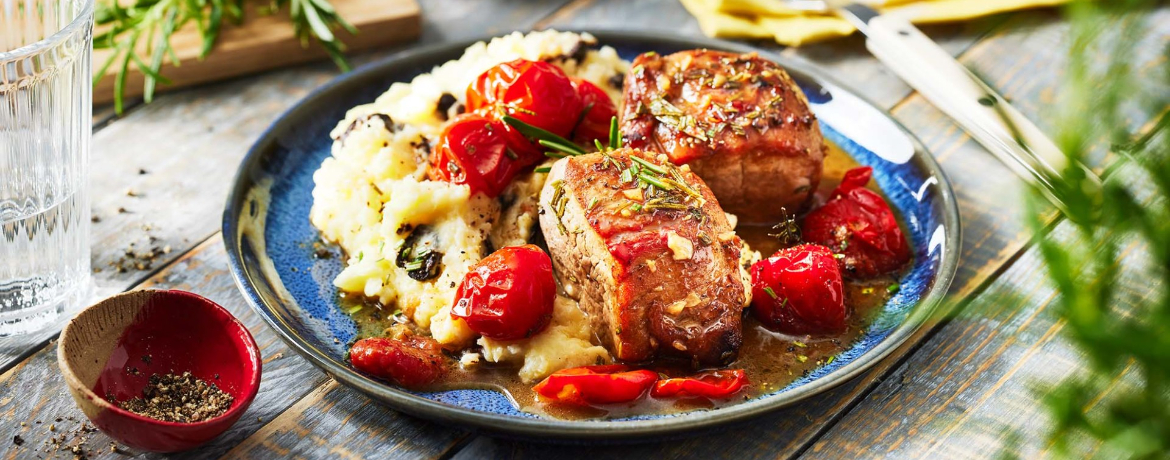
738,120
626,265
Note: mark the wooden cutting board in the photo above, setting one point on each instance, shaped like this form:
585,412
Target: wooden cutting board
266,42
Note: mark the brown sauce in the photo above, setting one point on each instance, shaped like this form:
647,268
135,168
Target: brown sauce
771,360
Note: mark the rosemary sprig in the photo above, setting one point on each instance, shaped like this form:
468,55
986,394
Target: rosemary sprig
140,33
560,146
788,231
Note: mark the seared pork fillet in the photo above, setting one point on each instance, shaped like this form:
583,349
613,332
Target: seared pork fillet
739,121
650,255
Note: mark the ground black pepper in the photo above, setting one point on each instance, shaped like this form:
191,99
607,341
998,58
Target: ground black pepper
179,398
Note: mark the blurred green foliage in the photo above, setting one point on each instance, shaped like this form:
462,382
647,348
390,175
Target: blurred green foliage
1093,416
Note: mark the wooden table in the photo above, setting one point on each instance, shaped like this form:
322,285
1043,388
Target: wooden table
161,174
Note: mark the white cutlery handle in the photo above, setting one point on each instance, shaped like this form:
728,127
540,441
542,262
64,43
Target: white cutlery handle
965,98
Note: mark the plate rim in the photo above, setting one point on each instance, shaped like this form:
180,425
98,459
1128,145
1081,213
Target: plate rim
419,406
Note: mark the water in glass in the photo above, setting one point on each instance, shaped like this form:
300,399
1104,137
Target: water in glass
45,124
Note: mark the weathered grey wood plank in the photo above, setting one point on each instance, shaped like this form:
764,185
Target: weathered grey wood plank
189,143
975,379
340,423
993,235
846,60
34,390
779,425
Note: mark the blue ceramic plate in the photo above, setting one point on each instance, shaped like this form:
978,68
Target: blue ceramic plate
269,241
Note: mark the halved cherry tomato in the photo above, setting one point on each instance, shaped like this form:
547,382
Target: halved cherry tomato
606,384
799,291
537,93
857,223
509,294
411,360
718,384
473,150
598,111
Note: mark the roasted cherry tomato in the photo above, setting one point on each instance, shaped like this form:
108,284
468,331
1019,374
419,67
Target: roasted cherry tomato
799,291
598,110
473,150
537,93
508,295
411,360
607,384
857,223
718,384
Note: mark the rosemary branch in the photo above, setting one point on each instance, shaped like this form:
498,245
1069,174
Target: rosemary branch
140,33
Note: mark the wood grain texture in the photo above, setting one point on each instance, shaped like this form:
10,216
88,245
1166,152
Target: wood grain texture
263,42
203,132
35,391
336,422
993,235
979,376
845,60
190,142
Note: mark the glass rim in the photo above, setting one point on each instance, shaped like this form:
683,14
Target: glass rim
80,20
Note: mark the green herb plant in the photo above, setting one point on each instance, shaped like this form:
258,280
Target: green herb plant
1122,336
139,33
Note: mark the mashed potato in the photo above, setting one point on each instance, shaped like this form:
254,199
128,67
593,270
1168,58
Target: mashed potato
566,343
409,240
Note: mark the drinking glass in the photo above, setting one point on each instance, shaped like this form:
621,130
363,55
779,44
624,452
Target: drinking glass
45,123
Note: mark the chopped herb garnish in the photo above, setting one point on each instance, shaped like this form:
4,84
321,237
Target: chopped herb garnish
648,165
627,175
558,202
670,115
543,169
645,177
771,293
418,255
893,288
799,344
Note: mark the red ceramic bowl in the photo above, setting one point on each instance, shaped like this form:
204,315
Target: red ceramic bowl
113,347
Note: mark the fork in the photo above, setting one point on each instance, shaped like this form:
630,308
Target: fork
960,94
